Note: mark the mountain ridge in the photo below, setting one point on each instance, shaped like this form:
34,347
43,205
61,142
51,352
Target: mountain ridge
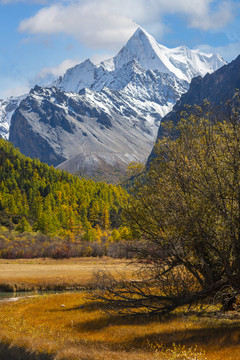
217,88
114,107
150,55
7,108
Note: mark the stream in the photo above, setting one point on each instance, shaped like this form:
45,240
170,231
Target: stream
14,296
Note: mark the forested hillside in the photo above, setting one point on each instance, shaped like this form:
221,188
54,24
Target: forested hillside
37,198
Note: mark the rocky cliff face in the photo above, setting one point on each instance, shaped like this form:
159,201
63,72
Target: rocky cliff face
7,108
217,88
110,112
56,126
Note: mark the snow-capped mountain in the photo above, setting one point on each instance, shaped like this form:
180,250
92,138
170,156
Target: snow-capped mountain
7,108
107,113
141,47
181,61
114,121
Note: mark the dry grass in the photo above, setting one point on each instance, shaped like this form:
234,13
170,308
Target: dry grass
49,274
70,328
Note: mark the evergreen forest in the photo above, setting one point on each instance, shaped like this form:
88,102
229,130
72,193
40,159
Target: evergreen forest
46,203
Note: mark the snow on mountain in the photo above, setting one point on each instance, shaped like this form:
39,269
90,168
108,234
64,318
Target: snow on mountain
217,88
181,61
77,78
123,123
107,113
7,108
143,48
56,126
144,54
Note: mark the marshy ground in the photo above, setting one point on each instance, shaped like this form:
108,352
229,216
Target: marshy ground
68,326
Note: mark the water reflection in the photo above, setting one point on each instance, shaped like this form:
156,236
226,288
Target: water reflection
7,295
15,295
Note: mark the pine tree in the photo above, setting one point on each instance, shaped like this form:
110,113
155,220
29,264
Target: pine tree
23,225
105,218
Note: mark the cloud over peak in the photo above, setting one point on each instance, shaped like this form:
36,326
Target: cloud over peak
89,21
109,23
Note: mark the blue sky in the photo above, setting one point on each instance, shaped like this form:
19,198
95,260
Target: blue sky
42,38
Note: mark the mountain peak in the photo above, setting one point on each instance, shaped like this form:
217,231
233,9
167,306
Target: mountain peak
141,32
87,62
78,77
181,61
142,48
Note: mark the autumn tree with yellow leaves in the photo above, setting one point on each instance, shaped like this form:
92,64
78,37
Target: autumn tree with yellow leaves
186,214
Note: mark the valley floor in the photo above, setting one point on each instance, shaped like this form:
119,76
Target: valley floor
68,326
49,274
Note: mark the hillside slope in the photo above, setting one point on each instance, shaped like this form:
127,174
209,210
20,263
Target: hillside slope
216,88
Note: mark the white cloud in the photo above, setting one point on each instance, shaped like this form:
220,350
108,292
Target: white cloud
48,74
44,78
212,20
15,89
228,52
59,69
90,22
97,58
109,23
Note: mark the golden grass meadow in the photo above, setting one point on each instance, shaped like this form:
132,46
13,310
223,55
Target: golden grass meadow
68,326
49,274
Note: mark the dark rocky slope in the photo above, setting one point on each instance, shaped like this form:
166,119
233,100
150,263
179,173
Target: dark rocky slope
217,88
